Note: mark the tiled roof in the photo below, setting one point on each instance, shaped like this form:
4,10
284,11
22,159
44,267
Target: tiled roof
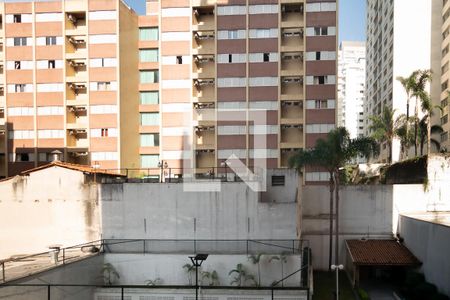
380,253
75,167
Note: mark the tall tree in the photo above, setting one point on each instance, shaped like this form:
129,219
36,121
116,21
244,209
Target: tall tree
332,154
406,137
409,84
422,98
423,134
428,108
383,128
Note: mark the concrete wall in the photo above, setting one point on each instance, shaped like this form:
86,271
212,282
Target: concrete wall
51,206
87,271
138,268
365,211
430,243
164,211
288,192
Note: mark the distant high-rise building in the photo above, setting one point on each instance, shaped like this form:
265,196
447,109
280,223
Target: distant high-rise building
399,41
68,82
351,87
214,62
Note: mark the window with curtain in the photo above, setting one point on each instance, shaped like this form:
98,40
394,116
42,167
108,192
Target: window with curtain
148,34
149,76
150,140
150,119
149,97
148,55
149,161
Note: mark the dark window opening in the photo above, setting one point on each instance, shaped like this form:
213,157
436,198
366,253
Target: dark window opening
51,64
179,60
17,65
230,58
104,132
266,57
24,157
318,55
278,180
17,19
321,79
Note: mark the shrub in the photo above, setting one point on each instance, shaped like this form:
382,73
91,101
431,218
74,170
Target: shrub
363,294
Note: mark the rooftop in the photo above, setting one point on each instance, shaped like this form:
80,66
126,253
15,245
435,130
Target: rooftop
380,253
440,218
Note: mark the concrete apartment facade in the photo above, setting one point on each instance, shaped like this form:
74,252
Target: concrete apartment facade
209,67
68,81
351,87
393,29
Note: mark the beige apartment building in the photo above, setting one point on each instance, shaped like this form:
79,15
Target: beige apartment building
207,66
443,88
68,82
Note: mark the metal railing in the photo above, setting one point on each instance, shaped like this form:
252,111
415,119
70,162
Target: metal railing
132,292
176,175
18,267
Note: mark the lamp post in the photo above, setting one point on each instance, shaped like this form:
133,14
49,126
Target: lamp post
162,165
197,261
337,268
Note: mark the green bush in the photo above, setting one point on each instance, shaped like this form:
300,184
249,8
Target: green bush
413,279
439,296
363,294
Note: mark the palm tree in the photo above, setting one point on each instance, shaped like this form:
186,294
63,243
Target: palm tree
340,149
256,259
428,108
406,137
408,84
241,276
420,93
190,269
283,259
383,128
423,134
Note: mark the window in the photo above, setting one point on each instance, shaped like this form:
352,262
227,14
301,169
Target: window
19,88
318,55
266,57
149,76
103,39
231,10
51,64
50,110
103,156
149,55
320,30
50,40
17,18
104,132
149,97
51,134
278,180
149,160
149,119
103,62
231,34
149,140
231,58
263,33
179,60
444,120
263,57
17,65
103,109
20,41
20,111
148,34
103,86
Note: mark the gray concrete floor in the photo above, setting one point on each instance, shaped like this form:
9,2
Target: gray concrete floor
378,290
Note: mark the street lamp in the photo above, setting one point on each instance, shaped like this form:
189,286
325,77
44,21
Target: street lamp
197,261
337,268
162,165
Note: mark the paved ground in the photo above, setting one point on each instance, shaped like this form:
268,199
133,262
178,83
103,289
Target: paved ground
21,267
325,285
378,290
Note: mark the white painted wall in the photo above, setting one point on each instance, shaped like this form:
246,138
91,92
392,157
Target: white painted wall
51,206
430,243
138,268
165,211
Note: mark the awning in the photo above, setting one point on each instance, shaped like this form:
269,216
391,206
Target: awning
380,253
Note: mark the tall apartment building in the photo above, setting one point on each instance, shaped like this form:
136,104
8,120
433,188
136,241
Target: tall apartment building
399,41
68,82
351,87
213,65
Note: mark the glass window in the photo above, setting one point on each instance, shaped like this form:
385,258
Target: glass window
148,55
149,97
148,34
50,40
149,76
150,140
150,119
149,161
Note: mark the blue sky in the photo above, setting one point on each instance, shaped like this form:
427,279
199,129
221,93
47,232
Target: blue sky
352,14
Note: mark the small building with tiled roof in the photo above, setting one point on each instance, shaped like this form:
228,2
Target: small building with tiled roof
377,253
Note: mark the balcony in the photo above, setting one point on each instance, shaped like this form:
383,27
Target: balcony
204,42
292,39
76,23
77,118
292,15
77,155
204,66
203,18
285,155
291,112
76,91
2,120
291,63
76,46
204,160
204,90
291,136
205,138
76,70
292,88
204,114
